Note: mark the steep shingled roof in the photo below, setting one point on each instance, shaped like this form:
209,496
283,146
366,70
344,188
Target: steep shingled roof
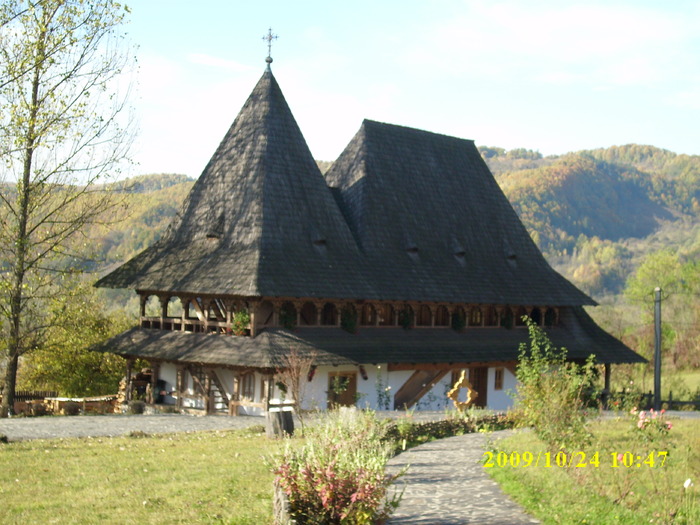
434,225
260,220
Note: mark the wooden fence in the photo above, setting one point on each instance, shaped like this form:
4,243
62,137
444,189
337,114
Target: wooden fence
32,395
646,401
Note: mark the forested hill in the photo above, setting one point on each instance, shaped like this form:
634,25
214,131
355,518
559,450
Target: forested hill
594,213
597,213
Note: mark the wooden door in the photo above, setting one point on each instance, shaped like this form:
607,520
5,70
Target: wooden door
342,389
478,377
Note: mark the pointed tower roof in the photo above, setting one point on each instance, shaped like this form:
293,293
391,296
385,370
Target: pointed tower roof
259,221
435,226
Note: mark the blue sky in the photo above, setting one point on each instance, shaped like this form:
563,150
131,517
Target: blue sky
553,76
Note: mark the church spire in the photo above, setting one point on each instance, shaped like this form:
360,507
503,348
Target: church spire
269,37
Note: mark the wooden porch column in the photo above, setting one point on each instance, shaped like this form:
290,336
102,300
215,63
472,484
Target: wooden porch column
208,397
155,371
163,310
180,385
129,378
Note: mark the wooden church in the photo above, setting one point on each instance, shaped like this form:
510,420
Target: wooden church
402,266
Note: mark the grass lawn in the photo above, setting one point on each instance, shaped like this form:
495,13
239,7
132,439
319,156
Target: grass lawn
203,477
606,494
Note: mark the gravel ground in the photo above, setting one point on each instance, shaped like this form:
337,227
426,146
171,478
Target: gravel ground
52,427
56,427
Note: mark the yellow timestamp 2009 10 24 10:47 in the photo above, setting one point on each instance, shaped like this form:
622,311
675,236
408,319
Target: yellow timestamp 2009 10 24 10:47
578,459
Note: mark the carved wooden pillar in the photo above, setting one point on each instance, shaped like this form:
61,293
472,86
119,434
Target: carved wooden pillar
276,313
163,310
205,309
297,307
180,385
319,312
208,397
143,300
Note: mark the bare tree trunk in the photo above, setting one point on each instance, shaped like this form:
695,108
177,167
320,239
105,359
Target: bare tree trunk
8,396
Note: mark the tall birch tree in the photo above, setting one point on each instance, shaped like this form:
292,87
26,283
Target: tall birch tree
64,132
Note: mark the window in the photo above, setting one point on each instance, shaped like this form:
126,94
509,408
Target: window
265,313
519,314
550,317
425,316
369,315
475,317
329,315
490,316
248,386
442,316
308,314
498,379
386,315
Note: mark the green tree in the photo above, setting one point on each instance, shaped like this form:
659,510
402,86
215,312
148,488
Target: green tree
659,269
62,132
67,361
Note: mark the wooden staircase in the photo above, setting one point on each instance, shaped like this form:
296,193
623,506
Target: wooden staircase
416,387
219,399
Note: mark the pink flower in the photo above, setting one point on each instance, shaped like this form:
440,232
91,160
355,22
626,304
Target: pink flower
620,457
640,423
634,411
642,414
669,425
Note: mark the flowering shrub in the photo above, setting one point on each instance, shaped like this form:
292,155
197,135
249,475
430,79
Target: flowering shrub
337,476
651,424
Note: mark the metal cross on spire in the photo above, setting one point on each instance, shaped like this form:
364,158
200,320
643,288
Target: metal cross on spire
269,37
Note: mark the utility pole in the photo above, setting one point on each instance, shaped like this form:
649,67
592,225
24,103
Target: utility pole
657,348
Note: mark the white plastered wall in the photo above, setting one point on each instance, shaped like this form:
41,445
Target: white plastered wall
500,399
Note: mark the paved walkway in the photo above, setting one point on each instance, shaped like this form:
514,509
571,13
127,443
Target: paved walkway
446,484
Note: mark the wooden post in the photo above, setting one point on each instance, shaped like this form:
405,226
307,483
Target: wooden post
129,381
179,385
155,370
208,398
606,390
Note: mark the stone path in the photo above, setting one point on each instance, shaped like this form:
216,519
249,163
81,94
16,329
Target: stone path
446,484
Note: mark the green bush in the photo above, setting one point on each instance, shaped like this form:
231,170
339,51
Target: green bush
240,322
550,394
404,433
338,475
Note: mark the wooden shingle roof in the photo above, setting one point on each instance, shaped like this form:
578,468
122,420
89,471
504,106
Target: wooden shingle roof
434,225
260,220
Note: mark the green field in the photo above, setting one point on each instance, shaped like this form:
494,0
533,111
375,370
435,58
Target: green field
605,493
204,477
